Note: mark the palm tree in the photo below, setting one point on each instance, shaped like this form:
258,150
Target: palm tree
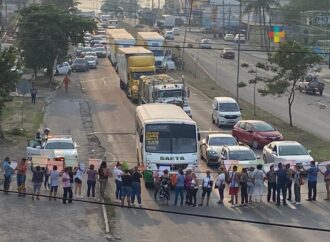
260,8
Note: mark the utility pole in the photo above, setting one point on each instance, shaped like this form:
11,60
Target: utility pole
223,18
185,32
214,19
239,48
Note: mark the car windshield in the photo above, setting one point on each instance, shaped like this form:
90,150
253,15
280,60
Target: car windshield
221,141
100,49
170,138
292,150
228,107
90,58
263,127
158,52
59,146
79,61
242,155
170,93
137,75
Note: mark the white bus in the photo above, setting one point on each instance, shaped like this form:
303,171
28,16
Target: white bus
166,138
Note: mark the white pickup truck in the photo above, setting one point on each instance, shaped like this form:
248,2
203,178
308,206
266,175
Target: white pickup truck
56,146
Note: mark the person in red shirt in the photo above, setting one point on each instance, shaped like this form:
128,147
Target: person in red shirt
66,81
21,177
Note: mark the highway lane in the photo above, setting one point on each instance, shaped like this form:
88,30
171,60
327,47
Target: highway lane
114,113
305,108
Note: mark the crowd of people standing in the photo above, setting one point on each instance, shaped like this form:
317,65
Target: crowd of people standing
249,182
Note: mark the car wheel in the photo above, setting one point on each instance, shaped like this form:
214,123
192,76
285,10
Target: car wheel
218,123
69,72
255,144
321,92
300,89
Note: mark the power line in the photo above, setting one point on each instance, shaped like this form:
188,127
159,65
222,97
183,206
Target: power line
281,225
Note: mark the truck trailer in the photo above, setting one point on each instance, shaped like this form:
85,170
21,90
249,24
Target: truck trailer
118,38
133,63
155,42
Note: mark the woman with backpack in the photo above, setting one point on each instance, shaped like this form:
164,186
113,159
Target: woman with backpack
104,174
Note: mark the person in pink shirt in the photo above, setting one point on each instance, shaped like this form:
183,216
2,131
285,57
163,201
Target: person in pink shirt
67,191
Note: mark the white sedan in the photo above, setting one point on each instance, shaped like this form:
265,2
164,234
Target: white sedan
62,69
282,151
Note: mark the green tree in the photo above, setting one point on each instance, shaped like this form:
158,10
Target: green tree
290,64
60,3
260,8
308,5
45,32
8,78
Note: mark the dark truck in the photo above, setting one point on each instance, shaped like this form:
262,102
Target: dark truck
311,84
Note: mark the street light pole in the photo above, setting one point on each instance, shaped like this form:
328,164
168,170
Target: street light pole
239,48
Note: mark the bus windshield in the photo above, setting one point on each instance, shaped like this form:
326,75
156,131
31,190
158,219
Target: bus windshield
170,138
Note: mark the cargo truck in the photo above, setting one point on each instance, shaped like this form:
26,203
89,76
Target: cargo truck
133,63
155,42
162,88
118,38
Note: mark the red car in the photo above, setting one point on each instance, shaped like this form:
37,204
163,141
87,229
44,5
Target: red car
256,133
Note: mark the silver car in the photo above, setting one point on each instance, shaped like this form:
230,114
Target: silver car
91,60
282,151
212,145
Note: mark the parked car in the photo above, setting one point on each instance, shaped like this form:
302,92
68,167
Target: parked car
225,111
256,133
240,37
79,50
80,64
205,44
97,45
176,31
227,53
229,37
86,50
281,151
91,61
101,52
169,35
212,145
62,145
311,84
239,155
93,53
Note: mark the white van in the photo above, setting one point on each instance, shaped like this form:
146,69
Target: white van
225,111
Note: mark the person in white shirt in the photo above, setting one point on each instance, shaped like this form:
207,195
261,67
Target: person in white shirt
220,184
118,173
259,177
207,184
53,182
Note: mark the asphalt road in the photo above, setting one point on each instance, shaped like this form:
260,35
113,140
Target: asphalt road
26,220
113,118
306,112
